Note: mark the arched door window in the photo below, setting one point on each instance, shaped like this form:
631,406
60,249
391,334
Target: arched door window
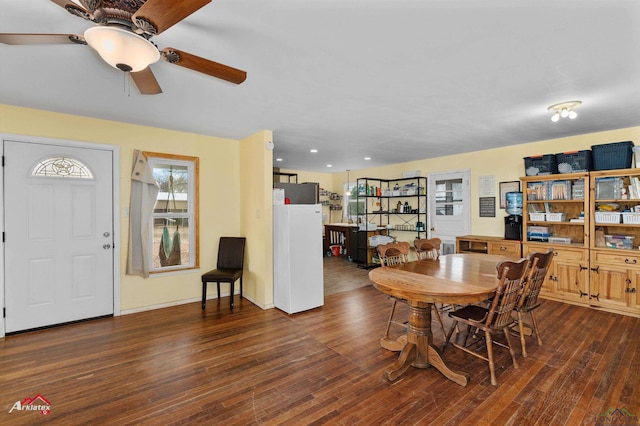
62,167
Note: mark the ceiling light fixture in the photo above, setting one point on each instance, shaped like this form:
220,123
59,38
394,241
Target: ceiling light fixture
122,49
564,110
313,150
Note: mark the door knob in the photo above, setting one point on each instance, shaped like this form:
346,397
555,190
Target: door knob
106,246
106,234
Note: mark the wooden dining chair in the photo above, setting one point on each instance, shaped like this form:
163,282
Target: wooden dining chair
393,254
539,264
495,319
429,249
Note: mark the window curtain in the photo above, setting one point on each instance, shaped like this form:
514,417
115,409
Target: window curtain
144,192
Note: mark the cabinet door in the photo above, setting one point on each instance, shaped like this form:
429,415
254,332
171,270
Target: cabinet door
549,283
634,291
571,280
608,286
548,286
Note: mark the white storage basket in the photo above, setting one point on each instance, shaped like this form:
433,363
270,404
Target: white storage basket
555,217
631,218
536,217
608,217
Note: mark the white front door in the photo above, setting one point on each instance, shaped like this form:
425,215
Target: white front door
58,234
449,205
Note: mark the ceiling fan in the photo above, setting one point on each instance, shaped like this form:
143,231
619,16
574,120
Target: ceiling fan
122,37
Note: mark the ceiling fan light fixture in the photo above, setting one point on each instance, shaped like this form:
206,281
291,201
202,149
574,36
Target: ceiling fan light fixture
122,49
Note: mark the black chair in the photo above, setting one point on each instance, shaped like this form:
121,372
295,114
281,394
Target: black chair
229,267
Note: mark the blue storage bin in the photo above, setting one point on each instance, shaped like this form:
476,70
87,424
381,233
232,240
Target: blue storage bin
540,165
609,156
574,161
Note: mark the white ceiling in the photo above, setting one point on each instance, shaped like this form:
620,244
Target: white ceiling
394,80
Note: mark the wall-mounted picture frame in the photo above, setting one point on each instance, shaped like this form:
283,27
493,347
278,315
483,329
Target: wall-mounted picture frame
512,186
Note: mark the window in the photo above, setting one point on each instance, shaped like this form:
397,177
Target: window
64,167
449,197
174,225
352,206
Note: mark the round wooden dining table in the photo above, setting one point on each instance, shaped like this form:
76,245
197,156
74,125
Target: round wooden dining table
452,279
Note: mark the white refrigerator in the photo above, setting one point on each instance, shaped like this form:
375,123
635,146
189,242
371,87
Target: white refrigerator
298,282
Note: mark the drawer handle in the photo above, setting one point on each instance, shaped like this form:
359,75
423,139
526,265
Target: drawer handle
503,248
555,253
633,261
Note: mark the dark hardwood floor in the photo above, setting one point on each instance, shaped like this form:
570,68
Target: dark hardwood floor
341,275
181,365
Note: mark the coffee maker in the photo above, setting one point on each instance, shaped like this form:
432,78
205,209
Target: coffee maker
513,222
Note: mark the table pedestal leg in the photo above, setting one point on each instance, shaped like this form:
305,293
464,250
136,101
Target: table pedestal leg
394,345
419,351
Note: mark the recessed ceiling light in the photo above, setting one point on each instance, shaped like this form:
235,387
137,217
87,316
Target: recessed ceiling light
367,158
278,159
313,150
329,165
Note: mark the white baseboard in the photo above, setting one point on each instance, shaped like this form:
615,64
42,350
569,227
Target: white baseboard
192,300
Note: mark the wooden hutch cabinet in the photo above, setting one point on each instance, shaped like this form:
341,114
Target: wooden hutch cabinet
615,235
556,215
595,232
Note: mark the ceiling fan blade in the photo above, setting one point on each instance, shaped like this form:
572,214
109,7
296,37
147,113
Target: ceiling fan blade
10,38
73,8
203,65
146,82
64,3
155,16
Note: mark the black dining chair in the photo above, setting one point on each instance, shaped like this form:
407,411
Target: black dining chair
229,267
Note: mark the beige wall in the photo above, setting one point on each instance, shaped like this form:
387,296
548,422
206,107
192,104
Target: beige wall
506,164
325,181
235,189
256,217
220,192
